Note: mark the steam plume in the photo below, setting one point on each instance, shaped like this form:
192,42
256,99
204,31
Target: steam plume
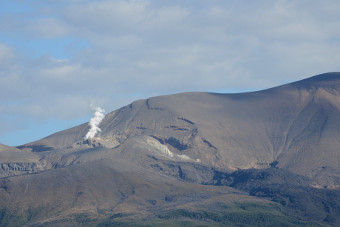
94,122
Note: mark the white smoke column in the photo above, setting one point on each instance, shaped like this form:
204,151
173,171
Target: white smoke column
94,122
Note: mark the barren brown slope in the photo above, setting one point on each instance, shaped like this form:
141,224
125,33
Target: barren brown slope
294,127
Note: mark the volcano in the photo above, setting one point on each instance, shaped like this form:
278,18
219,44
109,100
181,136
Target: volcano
161,158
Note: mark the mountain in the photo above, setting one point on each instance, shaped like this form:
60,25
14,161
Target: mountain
294,127
174,155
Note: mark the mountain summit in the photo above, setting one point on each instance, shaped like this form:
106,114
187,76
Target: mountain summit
174,145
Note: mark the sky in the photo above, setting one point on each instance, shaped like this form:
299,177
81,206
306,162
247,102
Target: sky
57,57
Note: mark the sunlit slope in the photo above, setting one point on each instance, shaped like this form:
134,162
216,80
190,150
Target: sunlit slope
294,126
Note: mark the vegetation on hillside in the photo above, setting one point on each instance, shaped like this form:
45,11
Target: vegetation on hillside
219,214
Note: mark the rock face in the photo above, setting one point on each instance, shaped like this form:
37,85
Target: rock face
16,162
200,138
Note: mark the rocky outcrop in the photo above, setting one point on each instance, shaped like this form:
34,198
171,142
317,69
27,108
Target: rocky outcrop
12,169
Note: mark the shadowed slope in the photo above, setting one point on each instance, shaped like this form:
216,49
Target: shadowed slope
112,186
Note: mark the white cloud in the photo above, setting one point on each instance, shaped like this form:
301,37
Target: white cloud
47,28
6,53
105,17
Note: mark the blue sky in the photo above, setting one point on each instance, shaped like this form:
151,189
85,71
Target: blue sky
58,56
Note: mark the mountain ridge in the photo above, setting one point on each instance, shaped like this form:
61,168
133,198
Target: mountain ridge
232,131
